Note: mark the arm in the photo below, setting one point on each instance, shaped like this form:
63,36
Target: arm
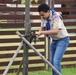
42,29
53,31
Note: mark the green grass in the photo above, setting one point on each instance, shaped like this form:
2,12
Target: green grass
69,71
65,71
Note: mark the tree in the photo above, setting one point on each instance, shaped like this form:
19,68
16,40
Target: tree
27,26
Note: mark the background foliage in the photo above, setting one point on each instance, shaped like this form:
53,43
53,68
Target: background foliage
23,1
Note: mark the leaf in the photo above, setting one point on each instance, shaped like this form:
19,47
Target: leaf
23,1
36,1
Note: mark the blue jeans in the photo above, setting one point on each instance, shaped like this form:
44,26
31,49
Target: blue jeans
57,50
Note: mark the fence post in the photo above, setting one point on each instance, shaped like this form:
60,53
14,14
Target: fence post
51,5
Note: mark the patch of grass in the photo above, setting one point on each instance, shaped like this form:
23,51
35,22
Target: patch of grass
69,71
65,71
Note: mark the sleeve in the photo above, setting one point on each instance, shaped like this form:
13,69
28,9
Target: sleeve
43,22
57,22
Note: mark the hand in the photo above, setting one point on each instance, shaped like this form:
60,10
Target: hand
37,37
38,33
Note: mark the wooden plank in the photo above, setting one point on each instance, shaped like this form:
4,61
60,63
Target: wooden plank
6,63
18,62
72,45
36,61
12,25
13,9
73,38
69,59
18,25
63,9
19,55
70,23
71,30
9,32
65,1
69,16
10,40
37,68
30,69
69,65
10,48
19,9
70,52
15,40
34,54
18,17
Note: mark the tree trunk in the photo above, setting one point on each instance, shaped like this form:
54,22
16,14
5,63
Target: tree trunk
27,31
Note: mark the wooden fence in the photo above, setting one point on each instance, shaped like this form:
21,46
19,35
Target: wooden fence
68,9
12,20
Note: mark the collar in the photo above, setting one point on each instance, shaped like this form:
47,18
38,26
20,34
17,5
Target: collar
50,17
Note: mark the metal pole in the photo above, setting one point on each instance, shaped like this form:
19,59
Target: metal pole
12,59
51,3
38,53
